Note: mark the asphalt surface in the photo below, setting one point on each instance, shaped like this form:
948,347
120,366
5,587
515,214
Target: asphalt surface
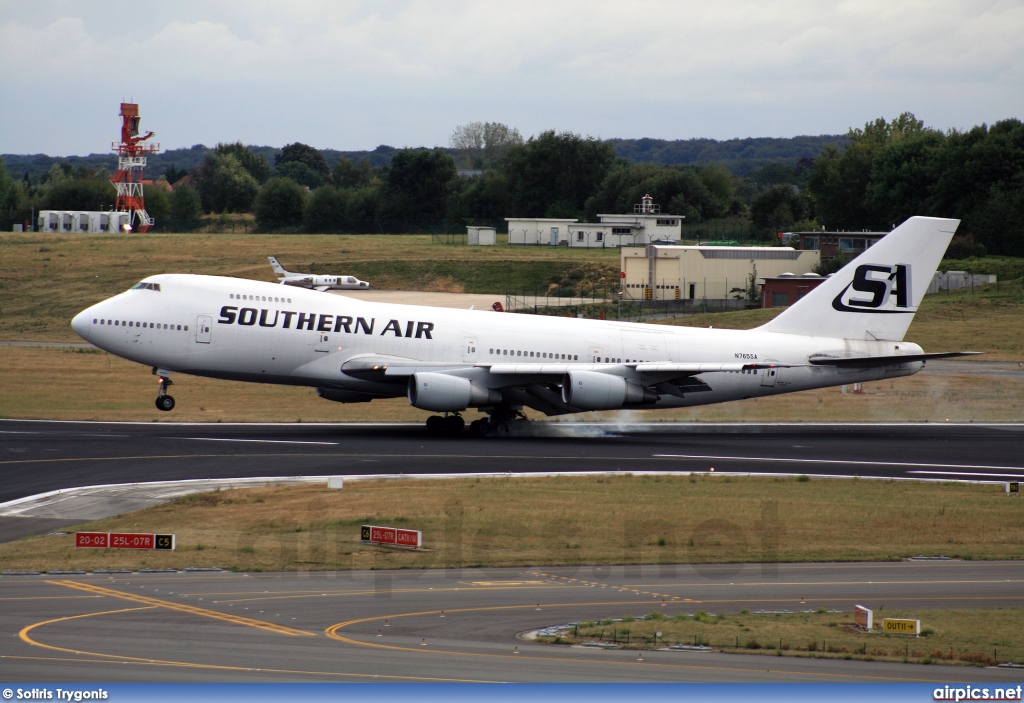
40,456
388,626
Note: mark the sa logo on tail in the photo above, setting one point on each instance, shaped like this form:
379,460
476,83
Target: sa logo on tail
882,283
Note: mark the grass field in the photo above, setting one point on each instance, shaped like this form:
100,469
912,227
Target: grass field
559,521
976,637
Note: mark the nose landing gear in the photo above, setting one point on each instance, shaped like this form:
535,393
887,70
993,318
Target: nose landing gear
163,401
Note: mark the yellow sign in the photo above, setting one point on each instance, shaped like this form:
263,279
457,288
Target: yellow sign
903,627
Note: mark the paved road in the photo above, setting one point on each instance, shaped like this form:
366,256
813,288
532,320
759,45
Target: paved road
324,626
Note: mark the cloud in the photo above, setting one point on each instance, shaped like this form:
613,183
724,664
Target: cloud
423,67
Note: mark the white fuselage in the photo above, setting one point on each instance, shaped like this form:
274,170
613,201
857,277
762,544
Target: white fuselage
306,280
255,331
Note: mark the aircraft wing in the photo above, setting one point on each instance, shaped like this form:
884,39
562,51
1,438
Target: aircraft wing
538,385
863,362
322,288
398,366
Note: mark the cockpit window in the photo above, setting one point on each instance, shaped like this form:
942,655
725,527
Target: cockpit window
142,285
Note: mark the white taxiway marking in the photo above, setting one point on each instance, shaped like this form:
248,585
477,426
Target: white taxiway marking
836,461
264,441
963,473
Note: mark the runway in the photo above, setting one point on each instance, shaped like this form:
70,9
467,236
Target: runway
41,456
457,625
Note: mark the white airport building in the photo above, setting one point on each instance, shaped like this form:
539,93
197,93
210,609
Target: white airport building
481,236
645,226
81,221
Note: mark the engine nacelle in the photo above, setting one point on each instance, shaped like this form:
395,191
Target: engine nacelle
345,396
589,390
443,393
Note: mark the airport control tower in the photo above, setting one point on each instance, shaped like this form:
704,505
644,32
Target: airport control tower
131,153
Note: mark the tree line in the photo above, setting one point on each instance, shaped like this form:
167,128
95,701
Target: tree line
876,177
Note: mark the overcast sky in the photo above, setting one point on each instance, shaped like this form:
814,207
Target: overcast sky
351,75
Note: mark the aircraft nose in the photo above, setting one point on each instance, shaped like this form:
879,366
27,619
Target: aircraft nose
82,323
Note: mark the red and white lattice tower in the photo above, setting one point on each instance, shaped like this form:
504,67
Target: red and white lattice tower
131,159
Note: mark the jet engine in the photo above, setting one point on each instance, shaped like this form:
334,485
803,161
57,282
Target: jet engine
443,393
589,390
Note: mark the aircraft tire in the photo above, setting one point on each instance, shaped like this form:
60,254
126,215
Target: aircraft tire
501,430
480,428
165,403
435,424
454,424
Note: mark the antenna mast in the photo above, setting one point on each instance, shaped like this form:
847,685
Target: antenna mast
131,153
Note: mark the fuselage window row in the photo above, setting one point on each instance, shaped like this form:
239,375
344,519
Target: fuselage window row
263,298
544,355
146,325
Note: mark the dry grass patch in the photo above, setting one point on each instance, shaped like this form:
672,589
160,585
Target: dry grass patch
558,521
974,637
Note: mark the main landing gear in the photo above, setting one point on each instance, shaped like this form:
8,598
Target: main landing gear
450,423
498,423
163,401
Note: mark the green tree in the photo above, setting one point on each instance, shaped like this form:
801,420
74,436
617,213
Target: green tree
903,174
776,209
174,174
252,162
279,205
773,174
481,144
553,172
419,184
839,180
12,194
303,153
158,205
680,190
79,194
486,199
225,185
186,209
348,174
719,181
325,210
300,173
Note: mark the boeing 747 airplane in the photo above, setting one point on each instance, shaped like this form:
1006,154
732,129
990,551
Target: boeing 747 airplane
848,330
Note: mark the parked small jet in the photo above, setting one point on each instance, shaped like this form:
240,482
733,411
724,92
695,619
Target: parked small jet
320,283
848,330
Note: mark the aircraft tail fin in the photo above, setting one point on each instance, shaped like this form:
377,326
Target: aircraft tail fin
876,295
278,268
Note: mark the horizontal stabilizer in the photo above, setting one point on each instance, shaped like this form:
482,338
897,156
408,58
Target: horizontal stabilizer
864,362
